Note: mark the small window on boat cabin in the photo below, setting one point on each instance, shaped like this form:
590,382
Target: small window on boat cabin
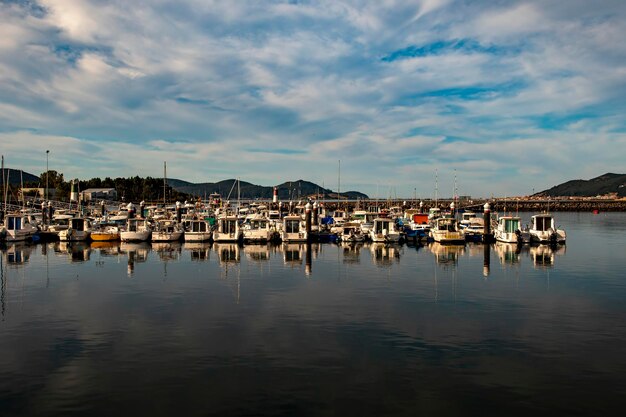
292,226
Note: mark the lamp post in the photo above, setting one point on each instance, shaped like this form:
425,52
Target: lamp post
47,175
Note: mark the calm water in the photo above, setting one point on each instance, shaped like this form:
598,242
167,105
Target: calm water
326,330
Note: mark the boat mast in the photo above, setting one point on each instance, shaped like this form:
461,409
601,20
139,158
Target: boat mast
436,186
339,185
164,182
4,201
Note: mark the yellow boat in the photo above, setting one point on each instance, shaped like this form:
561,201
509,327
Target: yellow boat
107,234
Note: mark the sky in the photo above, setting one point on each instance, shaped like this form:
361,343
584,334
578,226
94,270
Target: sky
394,98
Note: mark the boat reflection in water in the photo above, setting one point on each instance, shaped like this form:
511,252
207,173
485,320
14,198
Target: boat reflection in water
293,253
447,255
199,251
167,251
257,253
77,251
543,255
228,253
18,253
509,253
106,248
384,255
136,253
351,252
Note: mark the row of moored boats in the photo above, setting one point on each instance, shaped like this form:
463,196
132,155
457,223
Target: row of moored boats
257,223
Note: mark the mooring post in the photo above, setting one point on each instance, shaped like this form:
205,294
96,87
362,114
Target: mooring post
307,221
315,213
487,223
179,212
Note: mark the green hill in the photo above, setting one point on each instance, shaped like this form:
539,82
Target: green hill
15,177
291,190
602,185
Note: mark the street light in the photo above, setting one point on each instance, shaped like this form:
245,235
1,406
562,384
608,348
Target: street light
47,175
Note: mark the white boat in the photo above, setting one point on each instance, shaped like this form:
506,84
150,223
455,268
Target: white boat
509,230
445,230
293,229
17,228
59,222
167,230
137,230
474,230
384,231
543,229
79,230
351,233
228,229
198,231
257,229
466,219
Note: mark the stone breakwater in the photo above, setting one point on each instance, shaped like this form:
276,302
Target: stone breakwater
534,205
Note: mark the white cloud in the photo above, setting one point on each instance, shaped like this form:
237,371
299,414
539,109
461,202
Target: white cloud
207,85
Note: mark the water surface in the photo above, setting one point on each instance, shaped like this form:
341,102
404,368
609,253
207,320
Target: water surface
327,329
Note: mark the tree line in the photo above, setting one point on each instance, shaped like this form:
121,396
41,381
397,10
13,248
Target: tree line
133,189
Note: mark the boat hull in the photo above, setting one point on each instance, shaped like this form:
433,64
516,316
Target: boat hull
135,236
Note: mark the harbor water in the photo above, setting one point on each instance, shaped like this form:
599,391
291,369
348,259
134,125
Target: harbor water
325,329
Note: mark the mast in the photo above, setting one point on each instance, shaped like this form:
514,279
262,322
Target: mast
339,184
22,189
164,182
4,201
436,186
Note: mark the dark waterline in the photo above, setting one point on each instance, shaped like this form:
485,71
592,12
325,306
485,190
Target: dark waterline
333,330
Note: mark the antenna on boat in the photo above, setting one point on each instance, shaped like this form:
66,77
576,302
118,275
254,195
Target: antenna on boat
339,184
164,182
436,186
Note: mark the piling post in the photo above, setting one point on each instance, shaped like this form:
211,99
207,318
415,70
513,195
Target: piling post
421,207
487,223
315,213
44,214
307,221
452,210
179,212
102,208
142,206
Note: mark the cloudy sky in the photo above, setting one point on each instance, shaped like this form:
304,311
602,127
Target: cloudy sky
509,96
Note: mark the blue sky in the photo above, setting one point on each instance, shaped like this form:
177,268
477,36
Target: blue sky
509,96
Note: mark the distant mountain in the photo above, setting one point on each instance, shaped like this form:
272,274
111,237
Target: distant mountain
602,185
15,177
291,190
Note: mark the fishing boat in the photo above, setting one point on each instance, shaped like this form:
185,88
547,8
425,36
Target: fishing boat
293,229
79,230
137,230
197,230
257,229
105,232
445,231
228,229
17,228
383,231
351,233
509,230
543,230
167,230
474,230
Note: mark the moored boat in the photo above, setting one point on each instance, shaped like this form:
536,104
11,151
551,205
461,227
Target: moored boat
445,231
543,230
